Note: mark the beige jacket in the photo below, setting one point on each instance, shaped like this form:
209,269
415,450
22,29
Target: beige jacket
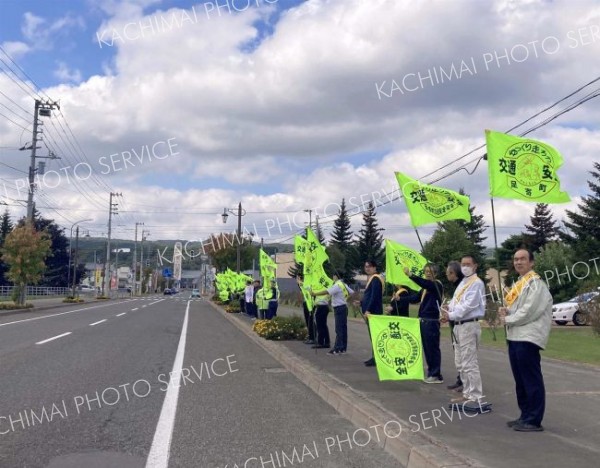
530,316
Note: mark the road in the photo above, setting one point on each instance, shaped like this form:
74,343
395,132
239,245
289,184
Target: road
89,385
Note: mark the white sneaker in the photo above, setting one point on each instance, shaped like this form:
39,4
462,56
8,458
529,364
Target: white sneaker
433,380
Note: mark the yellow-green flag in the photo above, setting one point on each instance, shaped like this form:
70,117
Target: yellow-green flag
299,249
315,277
429,204
397,347
268,267
523,169
398,256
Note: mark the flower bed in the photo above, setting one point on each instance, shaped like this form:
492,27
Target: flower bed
281,328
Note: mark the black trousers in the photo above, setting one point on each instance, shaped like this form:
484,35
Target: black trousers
341,327
309,322
525,363
322,329
430,336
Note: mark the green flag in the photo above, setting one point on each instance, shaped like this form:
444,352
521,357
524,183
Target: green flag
299,249
268,267
315,278
523,169
427,204
398,256
397,347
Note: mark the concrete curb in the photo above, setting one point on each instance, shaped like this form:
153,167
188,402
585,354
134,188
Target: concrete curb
48,307
412,450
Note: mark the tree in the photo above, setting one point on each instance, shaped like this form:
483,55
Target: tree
370,240
6,226
448,242
341,241
543,228
474,230
319,233
584,226
223,249
554,264
25,251
57,264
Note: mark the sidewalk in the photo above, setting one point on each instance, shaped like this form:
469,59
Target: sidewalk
571,436
45,303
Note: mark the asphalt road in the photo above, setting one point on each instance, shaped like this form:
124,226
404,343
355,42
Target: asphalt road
89,386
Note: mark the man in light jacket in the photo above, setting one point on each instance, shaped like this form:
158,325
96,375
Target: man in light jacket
528,319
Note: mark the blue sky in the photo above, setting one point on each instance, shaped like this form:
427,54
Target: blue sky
277,106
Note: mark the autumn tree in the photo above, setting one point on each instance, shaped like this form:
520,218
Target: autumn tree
25,251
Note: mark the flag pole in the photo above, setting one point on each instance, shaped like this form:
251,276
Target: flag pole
501,297
419,237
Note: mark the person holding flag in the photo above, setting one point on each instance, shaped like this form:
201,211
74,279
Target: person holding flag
273,300
249,299
372,301
400,302
339,293
308,318
465,309
528,320
430,298
454,276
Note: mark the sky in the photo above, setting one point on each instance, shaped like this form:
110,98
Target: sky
189,107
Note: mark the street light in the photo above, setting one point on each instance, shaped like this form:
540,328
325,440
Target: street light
240,212
70,241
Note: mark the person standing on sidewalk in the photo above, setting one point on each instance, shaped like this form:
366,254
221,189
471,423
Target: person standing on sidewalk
308,318
430,298
465,309
339,293
400,302
249,299
321,313
372,301
454,276
273,301
528,320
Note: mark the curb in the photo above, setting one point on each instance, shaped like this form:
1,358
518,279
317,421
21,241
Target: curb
44,308
412,450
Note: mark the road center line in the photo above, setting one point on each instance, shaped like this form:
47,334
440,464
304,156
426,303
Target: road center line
118,315
156,302
161,444
135,309
144,306
53,338
96,323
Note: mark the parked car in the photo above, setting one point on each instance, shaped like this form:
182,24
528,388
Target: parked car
195,293
569,311
167,292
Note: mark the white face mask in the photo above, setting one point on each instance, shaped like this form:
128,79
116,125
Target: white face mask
466,270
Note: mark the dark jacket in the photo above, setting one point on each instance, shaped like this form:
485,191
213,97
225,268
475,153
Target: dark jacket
430,305
400,305
372,300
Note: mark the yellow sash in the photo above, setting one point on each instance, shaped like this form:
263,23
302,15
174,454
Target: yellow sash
459,294
517,288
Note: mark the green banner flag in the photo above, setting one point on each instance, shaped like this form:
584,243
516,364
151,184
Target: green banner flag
397,347
398,256
299,249
268,267
315,278
523,169
427,204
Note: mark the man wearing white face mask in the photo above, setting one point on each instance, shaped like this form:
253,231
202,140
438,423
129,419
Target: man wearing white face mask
465,309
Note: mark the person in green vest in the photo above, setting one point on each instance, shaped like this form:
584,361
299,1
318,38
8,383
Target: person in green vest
262,302
273,300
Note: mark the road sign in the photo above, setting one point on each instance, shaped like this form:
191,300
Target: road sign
167,273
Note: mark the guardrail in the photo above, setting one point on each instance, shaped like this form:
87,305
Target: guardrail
6,291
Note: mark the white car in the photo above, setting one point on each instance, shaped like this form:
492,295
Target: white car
569,311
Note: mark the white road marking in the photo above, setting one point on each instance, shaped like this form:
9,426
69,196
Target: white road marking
156,302
53,338
56,315
118,315
96,323
144,306
135,309
161,444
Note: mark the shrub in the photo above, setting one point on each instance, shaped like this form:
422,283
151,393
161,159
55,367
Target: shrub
72,300
233,308
281,328
15,306
102,298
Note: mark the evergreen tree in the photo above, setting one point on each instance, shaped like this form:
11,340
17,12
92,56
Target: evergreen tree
543,228
584,226
341,241
6,226
370,240
506,252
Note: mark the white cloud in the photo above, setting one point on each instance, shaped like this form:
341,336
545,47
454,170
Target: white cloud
302,105
64,73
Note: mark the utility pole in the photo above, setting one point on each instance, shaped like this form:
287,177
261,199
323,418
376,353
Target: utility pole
309,217
142,259
112,209
239,238
135,260
42,108
75,262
